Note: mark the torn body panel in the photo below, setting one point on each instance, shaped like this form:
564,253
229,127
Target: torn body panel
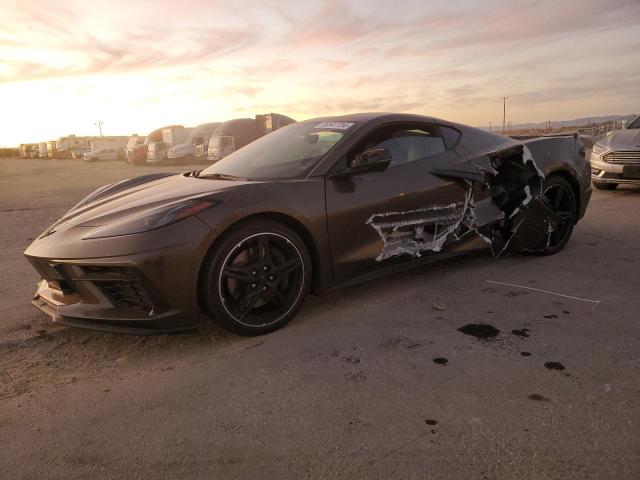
418,231
503,205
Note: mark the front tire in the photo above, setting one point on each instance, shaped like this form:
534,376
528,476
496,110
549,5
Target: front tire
255,279
605,186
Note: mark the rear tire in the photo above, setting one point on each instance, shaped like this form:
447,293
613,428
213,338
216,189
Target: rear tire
605,186
255,280
560,197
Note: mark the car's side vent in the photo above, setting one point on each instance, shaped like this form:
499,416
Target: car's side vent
99,271
129,294
123,286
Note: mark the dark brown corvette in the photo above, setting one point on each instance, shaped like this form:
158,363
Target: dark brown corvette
311,206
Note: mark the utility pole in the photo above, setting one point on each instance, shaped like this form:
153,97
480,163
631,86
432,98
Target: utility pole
99,125
504,113
489,127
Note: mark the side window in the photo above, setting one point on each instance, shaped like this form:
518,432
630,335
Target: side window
450,135
407,143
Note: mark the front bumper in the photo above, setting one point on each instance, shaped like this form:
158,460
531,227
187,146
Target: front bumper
154,290
605,172
44,299
107,298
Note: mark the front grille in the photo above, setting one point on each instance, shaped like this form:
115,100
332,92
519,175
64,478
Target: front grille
129,294
623,157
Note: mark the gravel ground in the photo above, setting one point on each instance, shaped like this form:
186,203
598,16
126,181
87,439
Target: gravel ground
373,381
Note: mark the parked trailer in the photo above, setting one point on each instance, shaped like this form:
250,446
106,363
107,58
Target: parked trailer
51,148
137,154
235,134
174,135
73,146
70,146
25,149
195,147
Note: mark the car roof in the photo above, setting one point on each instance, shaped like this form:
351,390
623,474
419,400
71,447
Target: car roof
369,116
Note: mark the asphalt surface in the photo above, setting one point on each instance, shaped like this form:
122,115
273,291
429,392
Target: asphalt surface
350,388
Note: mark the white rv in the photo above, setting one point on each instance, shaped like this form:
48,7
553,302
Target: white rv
71,146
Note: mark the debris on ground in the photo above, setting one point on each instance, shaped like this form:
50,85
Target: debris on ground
440,307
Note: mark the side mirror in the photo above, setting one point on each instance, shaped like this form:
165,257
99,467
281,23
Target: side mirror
373,160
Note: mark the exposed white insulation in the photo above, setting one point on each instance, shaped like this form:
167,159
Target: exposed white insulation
415,232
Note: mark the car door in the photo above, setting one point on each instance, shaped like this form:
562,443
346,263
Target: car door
374,218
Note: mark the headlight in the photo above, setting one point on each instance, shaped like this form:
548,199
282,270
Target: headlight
151,220
598,149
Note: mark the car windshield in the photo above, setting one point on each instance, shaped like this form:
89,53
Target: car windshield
634,124
289,152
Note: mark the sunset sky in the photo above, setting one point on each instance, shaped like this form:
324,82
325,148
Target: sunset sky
137,65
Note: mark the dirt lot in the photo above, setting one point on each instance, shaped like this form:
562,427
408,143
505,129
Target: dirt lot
350,388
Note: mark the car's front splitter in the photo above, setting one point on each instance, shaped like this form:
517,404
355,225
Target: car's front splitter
67,308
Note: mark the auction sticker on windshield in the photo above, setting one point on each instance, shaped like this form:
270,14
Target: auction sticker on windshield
334,125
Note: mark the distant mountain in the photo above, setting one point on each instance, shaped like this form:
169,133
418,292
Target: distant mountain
576,122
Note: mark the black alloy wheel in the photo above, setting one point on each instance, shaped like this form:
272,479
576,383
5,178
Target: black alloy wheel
559,196
255,281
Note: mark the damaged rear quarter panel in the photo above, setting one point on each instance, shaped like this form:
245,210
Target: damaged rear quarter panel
503,205
483,215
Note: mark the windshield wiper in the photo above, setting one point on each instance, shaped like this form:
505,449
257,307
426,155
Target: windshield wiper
220,176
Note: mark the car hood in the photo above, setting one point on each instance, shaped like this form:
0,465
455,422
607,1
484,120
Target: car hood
622,140
117,201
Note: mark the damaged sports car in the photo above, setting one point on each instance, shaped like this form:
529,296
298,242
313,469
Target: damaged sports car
312,206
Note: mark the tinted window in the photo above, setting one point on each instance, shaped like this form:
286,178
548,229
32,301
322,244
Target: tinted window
407,144
450,135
